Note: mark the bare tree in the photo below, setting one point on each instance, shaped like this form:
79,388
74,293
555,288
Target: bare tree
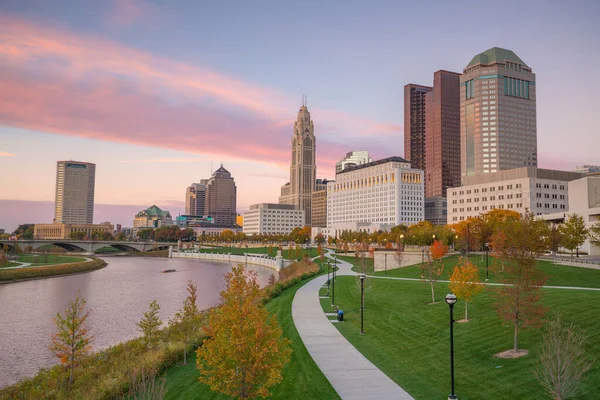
563,361
399,256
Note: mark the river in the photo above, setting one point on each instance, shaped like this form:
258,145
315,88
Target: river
118,295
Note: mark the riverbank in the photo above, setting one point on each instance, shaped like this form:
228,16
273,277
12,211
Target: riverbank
49,271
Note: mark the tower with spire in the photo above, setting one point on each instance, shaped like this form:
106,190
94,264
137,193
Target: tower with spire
303,170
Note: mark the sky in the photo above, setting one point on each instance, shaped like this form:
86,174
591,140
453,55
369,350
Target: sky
156,93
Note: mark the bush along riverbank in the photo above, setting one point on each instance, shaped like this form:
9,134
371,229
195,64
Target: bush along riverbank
135,368
25,273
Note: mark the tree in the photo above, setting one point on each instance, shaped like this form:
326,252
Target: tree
433,268
146,234
319,239
150,324
574,232
563,360
245,351
73,341
517,301
399,256
555,238
77,235
186,320
594,233
24,231
465,283
120,237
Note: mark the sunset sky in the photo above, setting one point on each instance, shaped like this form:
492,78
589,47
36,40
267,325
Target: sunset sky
153,92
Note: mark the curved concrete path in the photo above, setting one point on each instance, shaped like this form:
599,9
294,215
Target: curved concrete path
348,371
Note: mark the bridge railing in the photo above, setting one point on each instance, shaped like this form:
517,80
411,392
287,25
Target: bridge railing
247,258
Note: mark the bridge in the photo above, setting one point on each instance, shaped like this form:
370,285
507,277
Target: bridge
87,246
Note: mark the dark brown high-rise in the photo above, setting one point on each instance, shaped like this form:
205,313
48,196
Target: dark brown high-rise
442,134
221,197
414,124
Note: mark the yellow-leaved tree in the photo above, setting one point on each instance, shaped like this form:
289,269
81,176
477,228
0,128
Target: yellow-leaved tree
73,341
245,351
464,282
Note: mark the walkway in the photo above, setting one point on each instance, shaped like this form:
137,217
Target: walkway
348,371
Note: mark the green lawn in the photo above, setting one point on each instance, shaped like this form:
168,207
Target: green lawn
558,275
49,259
302,379
408,339
9,264
258,250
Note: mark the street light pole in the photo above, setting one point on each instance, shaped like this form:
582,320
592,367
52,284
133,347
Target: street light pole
451,300
333,286
487,254
362,302
328,280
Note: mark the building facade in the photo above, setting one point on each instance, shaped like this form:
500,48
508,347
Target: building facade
353,159
74,200
221,198
375,196
298,191
498,114
319,208
272,219
152,217
442,134
588,169
541,191
195,198
436,210
63,231
414,124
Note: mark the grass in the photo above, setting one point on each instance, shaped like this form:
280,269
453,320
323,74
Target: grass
408,339
302,379
558,275
37,260
35,272
9,264
259,250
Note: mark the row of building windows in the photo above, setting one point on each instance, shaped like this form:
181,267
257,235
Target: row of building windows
516,87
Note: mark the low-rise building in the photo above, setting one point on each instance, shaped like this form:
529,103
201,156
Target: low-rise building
272,219
64,231
436,210
152,217
188,221
541,191
375,196
588,169
319,204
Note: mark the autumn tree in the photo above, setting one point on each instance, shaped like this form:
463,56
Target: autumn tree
186,321
245,351
517,301
594,233
465,283
73,341
434,267
555,238
150,324
574,232
563,360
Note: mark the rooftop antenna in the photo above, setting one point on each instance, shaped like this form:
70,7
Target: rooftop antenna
305,100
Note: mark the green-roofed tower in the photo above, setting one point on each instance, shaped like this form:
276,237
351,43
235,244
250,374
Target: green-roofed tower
498,114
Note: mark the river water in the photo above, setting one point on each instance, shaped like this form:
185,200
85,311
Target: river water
118,296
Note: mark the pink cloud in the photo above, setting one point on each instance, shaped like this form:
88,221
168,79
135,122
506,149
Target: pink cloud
6,154
127,12
59,82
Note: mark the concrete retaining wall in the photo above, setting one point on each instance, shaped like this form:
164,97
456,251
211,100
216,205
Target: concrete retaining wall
276,263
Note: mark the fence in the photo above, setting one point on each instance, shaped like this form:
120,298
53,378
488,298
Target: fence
264,260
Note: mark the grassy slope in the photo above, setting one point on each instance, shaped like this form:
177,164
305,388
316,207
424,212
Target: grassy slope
10,264
302,379
558,275
408,339
51,259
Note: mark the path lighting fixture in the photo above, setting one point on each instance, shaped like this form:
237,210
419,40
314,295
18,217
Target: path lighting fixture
487,255
451,300
362,302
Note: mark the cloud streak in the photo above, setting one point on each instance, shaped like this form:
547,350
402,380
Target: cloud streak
59,82
6,154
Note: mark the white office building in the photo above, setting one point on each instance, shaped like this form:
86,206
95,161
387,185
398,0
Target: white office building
272,219
541,191
375,196
353,159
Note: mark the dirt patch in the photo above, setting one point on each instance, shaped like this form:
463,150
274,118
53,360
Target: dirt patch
462,321
512,354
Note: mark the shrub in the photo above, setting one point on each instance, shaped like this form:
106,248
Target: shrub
50,270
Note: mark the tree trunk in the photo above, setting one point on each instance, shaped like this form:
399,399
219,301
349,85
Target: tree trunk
516,340
432,293
185,355
466,311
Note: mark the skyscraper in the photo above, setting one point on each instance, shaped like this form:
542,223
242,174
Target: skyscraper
298,191
498,114
414,124
74,201
221,197
442,134
195,198
353,159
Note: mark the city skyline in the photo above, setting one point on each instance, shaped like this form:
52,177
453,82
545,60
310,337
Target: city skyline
238,98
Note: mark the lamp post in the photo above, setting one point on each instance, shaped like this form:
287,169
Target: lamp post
401,242
328,280
487,254
422,254
433,236
333,284
362,302
451,300
385,256
454,244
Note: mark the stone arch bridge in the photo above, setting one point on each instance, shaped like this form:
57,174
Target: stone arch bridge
88,246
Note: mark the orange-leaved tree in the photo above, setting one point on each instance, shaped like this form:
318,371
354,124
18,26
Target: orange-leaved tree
73,341
464,282
245,351
518,299
434,267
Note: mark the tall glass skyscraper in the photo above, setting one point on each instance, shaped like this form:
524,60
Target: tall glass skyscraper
74,202
498,113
